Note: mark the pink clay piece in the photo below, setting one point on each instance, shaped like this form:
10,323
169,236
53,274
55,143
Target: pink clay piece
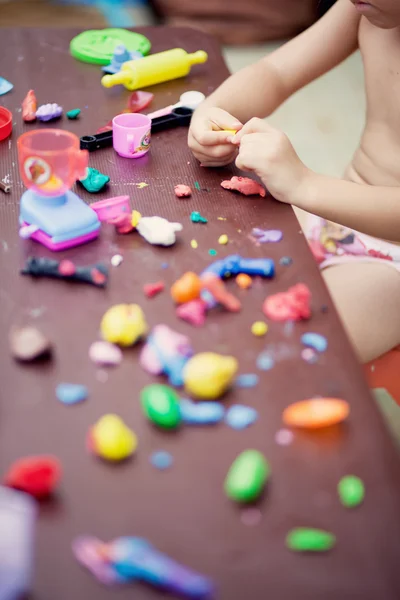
244,185
182,191
193,312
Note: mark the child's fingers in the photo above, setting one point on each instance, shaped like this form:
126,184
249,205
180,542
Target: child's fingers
211,137
252,126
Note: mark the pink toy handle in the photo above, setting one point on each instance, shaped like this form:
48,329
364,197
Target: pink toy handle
82,162
161,112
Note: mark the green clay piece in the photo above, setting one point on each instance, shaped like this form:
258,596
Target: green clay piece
247,476
196,217
304,539
197,185
74,113
94,180
160,404
212,252
97,46
351,491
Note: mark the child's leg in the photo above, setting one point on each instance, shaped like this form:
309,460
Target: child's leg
367,297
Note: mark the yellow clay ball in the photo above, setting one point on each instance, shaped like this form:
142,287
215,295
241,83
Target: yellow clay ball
123,324
112,439
208,375
259,328
223,239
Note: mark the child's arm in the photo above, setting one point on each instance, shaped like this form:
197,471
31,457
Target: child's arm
257,90
374,210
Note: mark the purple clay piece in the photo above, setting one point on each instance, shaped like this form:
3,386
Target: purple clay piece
49,112
267,235
167,352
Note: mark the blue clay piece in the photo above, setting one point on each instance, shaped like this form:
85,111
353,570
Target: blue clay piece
164,265
161,460
265,362
71,393
247,380
315,340
201,413
240,416
285,261
5,86
234,264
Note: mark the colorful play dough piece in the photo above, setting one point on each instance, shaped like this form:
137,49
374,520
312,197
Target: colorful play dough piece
351,491
35,475
196,217
223,239
160,404
161,460
186,288
193,312
292,305
244,281
259,328
29,343
111,439
208,375
94,181
182,191
244,185
316,413
73,114
304,539
105,354
247,380
71,393
201,413
247,476
97,46
316,341
123,324
240,416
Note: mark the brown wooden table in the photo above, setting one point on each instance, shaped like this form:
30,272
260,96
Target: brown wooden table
184,511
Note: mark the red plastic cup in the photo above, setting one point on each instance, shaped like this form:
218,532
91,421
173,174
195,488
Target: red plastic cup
5,123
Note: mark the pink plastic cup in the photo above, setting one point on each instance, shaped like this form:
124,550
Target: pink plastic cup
131,134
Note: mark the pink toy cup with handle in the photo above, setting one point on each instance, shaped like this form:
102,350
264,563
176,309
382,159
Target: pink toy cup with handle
131,134
50,161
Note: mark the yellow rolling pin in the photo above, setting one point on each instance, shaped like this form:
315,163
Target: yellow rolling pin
157,68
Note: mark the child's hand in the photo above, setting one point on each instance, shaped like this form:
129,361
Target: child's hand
207,139
269,153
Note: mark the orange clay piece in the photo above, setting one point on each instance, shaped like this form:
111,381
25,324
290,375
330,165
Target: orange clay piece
29,107
217,288
316,413
244,281
187,288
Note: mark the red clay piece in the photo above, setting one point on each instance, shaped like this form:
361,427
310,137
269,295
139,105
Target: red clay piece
152,289
35,475
292,305
245,186
139,101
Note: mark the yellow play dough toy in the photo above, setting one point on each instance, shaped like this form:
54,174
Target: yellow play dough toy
112,439
123,324
208,375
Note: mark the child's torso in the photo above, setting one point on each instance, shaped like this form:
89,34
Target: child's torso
377,160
